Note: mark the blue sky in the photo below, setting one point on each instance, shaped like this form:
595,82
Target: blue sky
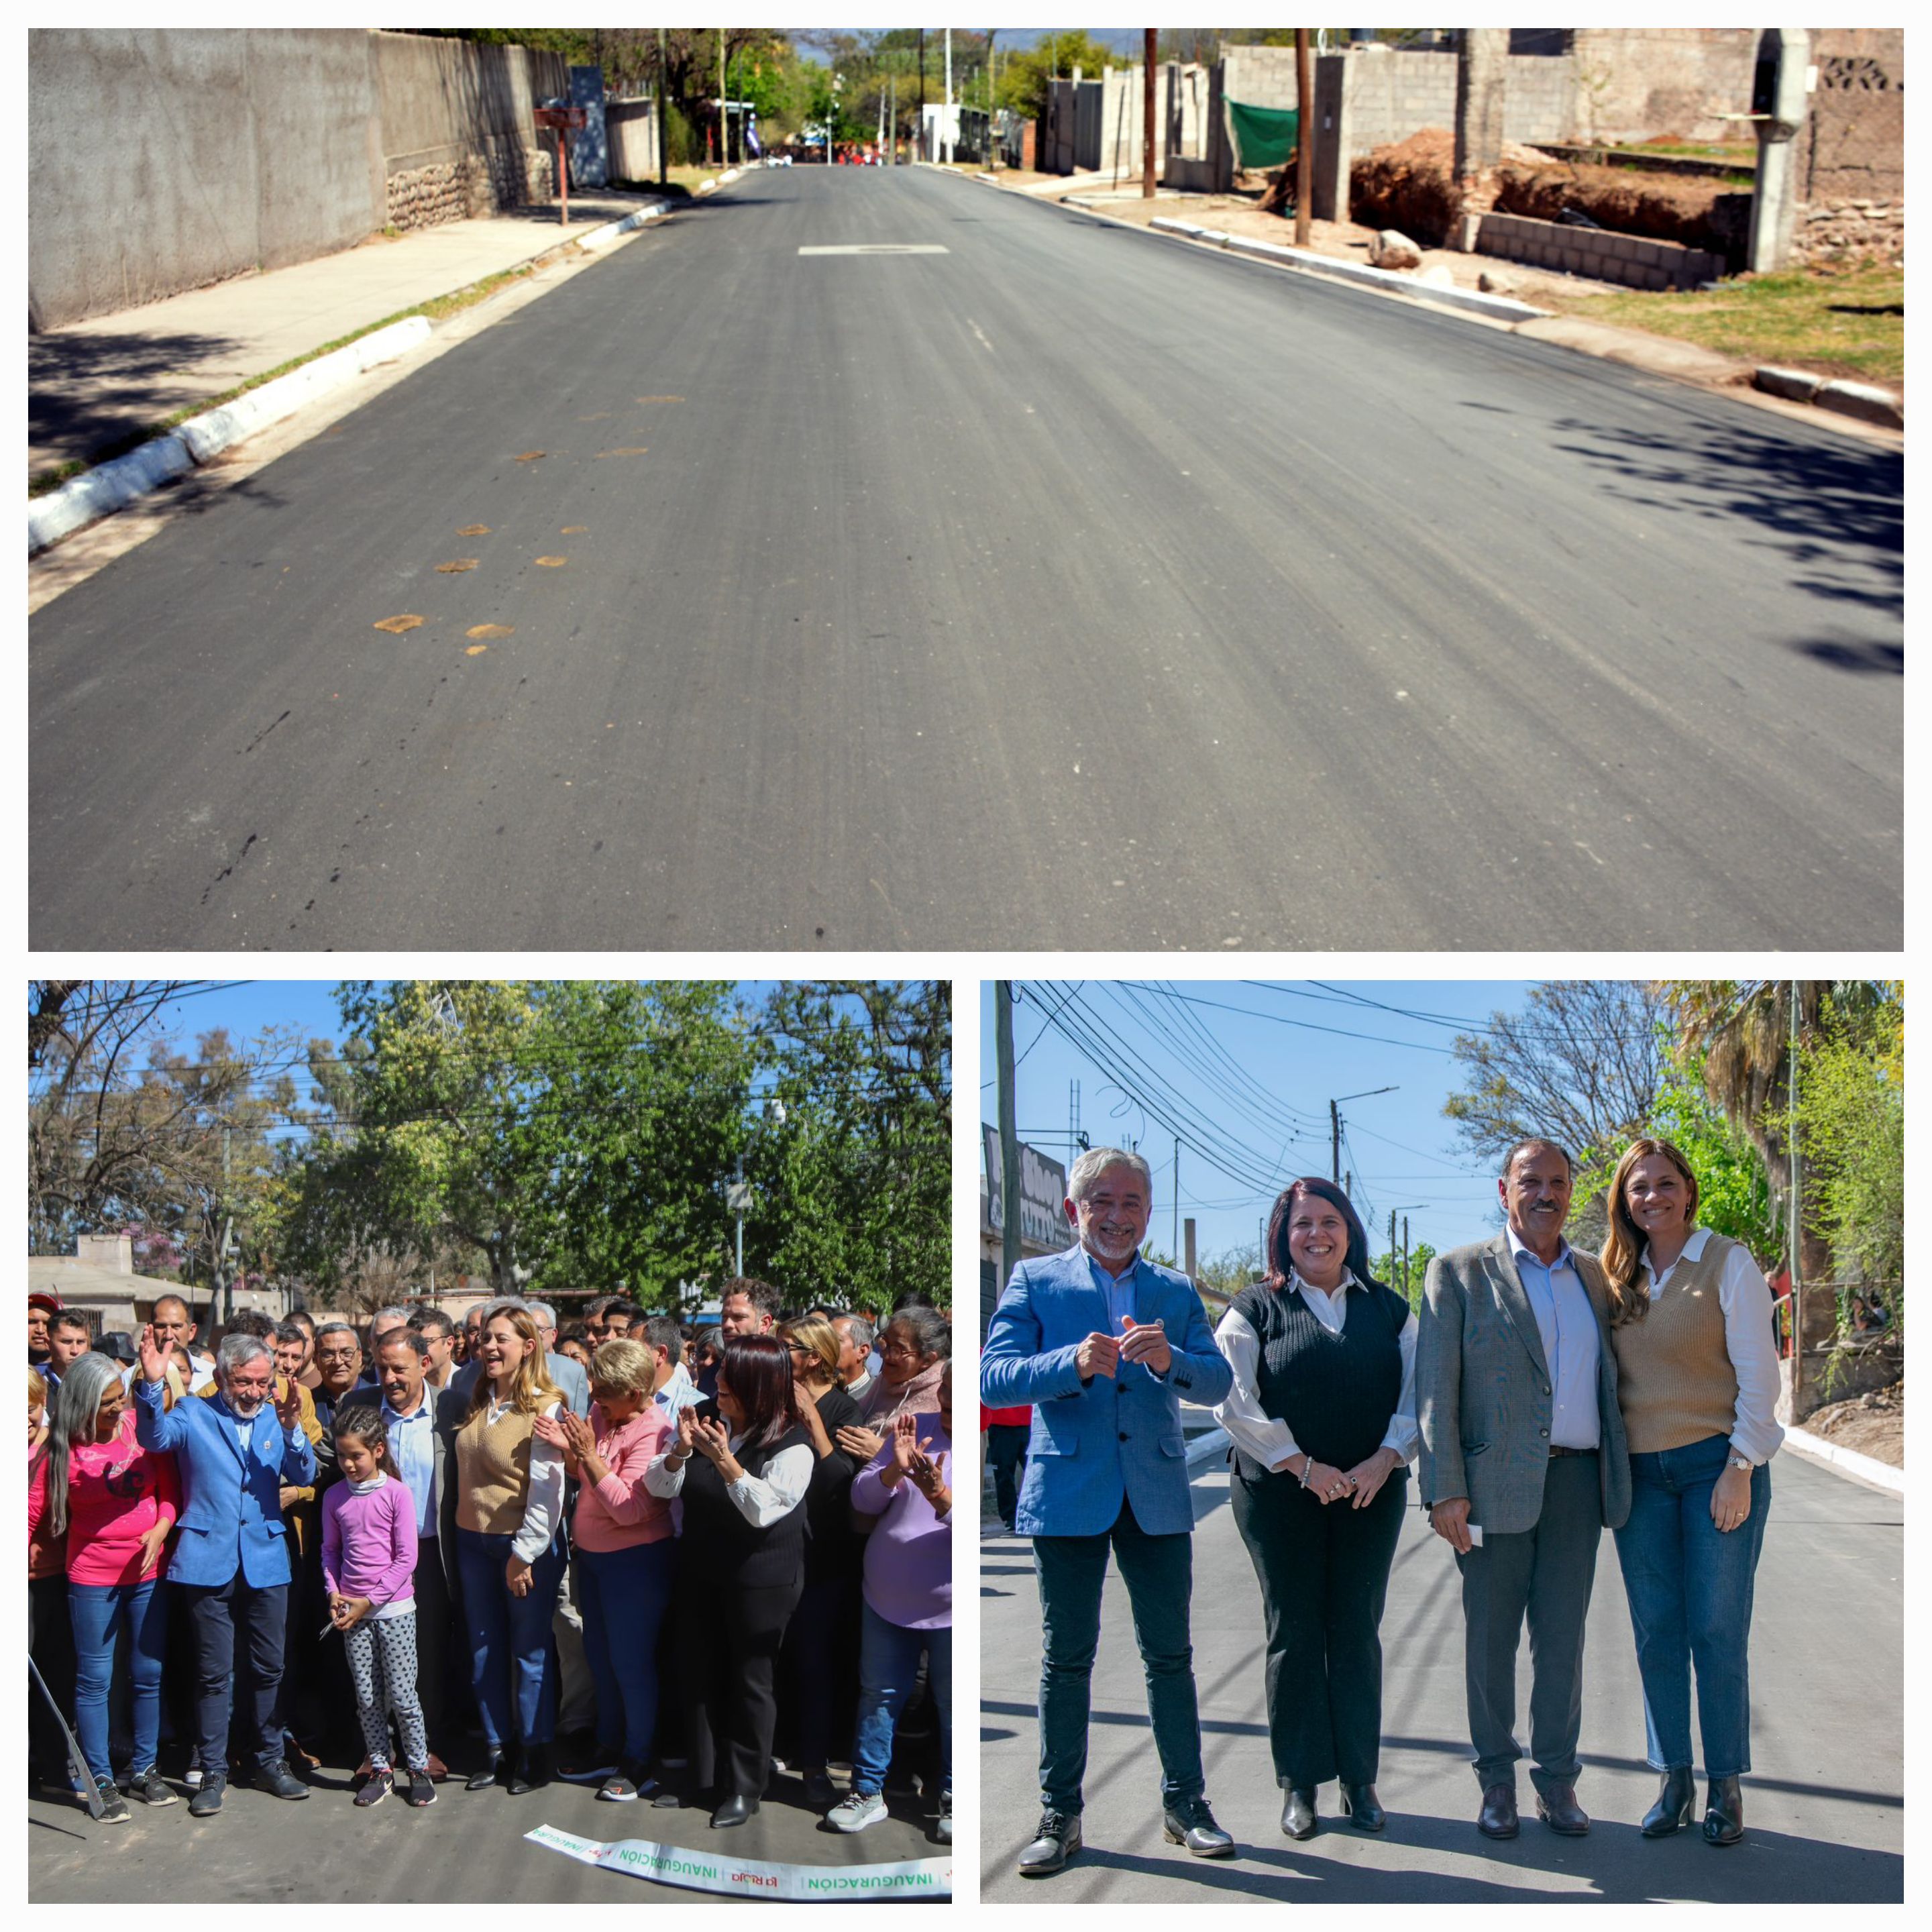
1287,1048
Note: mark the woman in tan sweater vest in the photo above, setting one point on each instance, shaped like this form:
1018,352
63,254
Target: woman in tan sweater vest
1690,1321
509,1507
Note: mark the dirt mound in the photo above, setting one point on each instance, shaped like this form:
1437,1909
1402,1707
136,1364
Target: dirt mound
1870,1425
1408,184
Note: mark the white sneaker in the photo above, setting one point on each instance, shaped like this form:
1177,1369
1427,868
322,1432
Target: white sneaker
191,1777
856,1810
943,1831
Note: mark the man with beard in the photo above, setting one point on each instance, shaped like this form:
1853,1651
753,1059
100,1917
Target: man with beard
1103,1345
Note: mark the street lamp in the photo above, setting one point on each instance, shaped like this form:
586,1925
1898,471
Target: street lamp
738,1192
1335,1128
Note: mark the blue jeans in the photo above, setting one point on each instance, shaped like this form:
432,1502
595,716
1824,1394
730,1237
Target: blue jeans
888,1668
1158,1573
623,1594
509,1638
98,1611
1690,1586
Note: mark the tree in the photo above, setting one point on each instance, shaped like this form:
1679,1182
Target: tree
854,1188
1388,1267
1024,78
1581,1064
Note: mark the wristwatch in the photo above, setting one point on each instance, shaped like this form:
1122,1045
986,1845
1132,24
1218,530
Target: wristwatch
1738,1462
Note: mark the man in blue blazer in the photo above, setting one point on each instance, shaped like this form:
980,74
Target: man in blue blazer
230,1561
1103,1345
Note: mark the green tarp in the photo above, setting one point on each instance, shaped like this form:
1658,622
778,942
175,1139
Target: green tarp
1264,137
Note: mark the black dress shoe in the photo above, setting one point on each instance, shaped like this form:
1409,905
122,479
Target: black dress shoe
487,1774
1559,1809
1056,1841
734,1810
1297,1813
1188,1821
533,1770
1724,1815
820,1793
1364,1809
1498,1818
1675,1797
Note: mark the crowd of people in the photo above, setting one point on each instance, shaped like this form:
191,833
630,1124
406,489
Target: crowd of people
649,1557
1544,1394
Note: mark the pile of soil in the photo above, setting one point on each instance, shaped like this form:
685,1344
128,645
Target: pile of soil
1409,185
1870,1425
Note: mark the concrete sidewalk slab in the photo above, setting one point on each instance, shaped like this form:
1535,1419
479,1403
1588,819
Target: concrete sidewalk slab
94,383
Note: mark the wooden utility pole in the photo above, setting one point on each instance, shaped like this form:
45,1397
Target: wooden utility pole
723,125
992,140
1334,1143
1009,1139
1151,46
664,108
1304,145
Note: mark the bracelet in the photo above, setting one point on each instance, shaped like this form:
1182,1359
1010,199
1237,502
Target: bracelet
1307,1463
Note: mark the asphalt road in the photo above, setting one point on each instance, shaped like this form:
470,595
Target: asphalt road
467,1847
1068,589
1824,1803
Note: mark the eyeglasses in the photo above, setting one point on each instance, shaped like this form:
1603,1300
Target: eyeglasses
899,1349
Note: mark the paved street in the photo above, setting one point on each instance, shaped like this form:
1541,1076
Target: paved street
469,1846
1825,1804
1067,589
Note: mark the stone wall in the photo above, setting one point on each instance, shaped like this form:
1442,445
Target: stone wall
1844,231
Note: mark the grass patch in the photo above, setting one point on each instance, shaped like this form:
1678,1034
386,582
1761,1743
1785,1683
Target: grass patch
1850,322
436,309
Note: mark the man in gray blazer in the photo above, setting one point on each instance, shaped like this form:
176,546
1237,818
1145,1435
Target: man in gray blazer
1523,1465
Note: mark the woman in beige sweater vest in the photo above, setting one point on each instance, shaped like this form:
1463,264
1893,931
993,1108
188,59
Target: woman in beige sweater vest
1690,1321
509,1506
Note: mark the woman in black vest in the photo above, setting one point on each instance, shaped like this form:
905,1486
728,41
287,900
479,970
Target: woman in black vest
1322,1416
742,1465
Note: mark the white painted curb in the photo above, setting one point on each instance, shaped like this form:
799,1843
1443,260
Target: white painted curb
1203,1450
600,237
1849,1460
103,490
1499,307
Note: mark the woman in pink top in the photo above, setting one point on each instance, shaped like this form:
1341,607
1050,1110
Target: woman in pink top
622,1538
116,1502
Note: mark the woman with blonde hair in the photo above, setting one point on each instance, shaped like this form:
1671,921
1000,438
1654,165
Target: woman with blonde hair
621,1537
509,1507
818,1668
1690,1322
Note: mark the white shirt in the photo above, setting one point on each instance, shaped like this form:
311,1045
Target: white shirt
761,1500
543,1508
1266,1438
1744,1296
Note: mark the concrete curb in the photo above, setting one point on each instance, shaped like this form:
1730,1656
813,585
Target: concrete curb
1862,400
1869,1469
1203,1450
103,490
1500,308
602,237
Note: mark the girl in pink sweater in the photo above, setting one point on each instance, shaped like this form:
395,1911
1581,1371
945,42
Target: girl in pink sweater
368,1568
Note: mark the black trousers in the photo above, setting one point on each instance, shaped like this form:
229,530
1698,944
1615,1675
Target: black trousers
245,1676
1324,1570
50,1644
435,1620
819,1670
730,1638
1005,1450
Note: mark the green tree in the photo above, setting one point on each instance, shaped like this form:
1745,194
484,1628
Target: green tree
1023,79
1387,1268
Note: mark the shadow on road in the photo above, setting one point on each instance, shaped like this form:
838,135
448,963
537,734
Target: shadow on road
1836,516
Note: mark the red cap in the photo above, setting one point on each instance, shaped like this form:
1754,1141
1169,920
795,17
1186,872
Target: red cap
42,1298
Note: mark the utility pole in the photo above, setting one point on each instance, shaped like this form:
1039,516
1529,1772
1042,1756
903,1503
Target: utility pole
1151,44
1176,1195
723,125
1796,1220
1009,1139
946,135
1334,1141
664,108
1304,144
1405,1280
921,87
992,70
1405,1257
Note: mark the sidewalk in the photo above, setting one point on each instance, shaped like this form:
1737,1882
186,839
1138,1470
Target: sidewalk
93,384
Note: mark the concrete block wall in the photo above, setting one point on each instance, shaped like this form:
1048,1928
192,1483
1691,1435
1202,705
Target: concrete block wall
165,160
1635,83
1627,258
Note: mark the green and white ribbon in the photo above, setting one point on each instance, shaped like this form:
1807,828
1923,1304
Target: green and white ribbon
752,1878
